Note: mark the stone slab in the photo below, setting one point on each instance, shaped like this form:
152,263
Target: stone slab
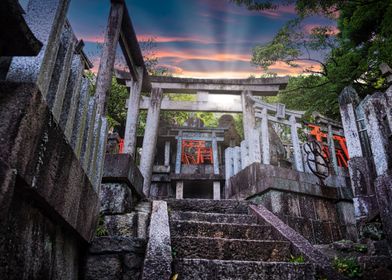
157,264
116,198
122,168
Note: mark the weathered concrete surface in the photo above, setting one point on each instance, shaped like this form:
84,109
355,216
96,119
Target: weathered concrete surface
299,244
384,197
113,258
208,206
221,230
122,168
116,198
231,249
201,269
157,264
33,144
211,217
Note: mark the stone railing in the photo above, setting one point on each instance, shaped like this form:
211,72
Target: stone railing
368,125
58,71
256,146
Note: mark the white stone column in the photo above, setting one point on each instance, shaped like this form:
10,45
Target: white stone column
299,166
179,152
332,150
250,131
216,190
229,171
215,153
375,112
167,153
265,137
347,111
133,114
179,189
150,138
237,159
244,154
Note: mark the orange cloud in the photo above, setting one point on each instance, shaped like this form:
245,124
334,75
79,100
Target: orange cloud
197,55
163,39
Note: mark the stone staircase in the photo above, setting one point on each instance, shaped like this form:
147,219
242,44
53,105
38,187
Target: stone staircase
219,239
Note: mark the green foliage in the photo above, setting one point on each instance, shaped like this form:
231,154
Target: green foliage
347,266
117,113
361,248
350,57
298,259
101,228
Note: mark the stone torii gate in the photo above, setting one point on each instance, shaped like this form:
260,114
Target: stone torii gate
239,90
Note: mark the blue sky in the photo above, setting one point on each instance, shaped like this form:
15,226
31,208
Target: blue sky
194,38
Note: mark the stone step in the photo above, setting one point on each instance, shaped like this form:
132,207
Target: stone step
222,230
209,206
230,249
203,269
212,217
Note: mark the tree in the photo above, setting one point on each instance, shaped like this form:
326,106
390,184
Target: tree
352,56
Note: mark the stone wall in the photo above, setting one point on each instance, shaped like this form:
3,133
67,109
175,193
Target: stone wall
49,206
322,214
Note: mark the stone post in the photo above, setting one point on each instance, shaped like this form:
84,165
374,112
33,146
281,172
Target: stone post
250,132
299,166
216,190
150,138
229,166
133,114
179,189
375,114
265,137
332,150
215,153
167,153
106,64
178,153
244,154
237,159
46,20
348,100
360,167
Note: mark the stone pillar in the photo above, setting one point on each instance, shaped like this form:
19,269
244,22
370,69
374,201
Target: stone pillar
250,132
299,166
237,159
179,189
167,153
106,64
265,137
215,153
178,153
150,138
229,165
133,114
375,114
216,190
348,100
46,20
244,154
360,168
332,150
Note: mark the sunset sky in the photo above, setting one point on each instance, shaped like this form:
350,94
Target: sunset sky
195,38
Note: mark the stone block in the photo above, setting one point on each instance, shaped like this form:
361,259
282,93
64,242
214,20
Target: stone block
122,225
302,226
122,168
322,232
113,258
116,198
384,197
157,264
